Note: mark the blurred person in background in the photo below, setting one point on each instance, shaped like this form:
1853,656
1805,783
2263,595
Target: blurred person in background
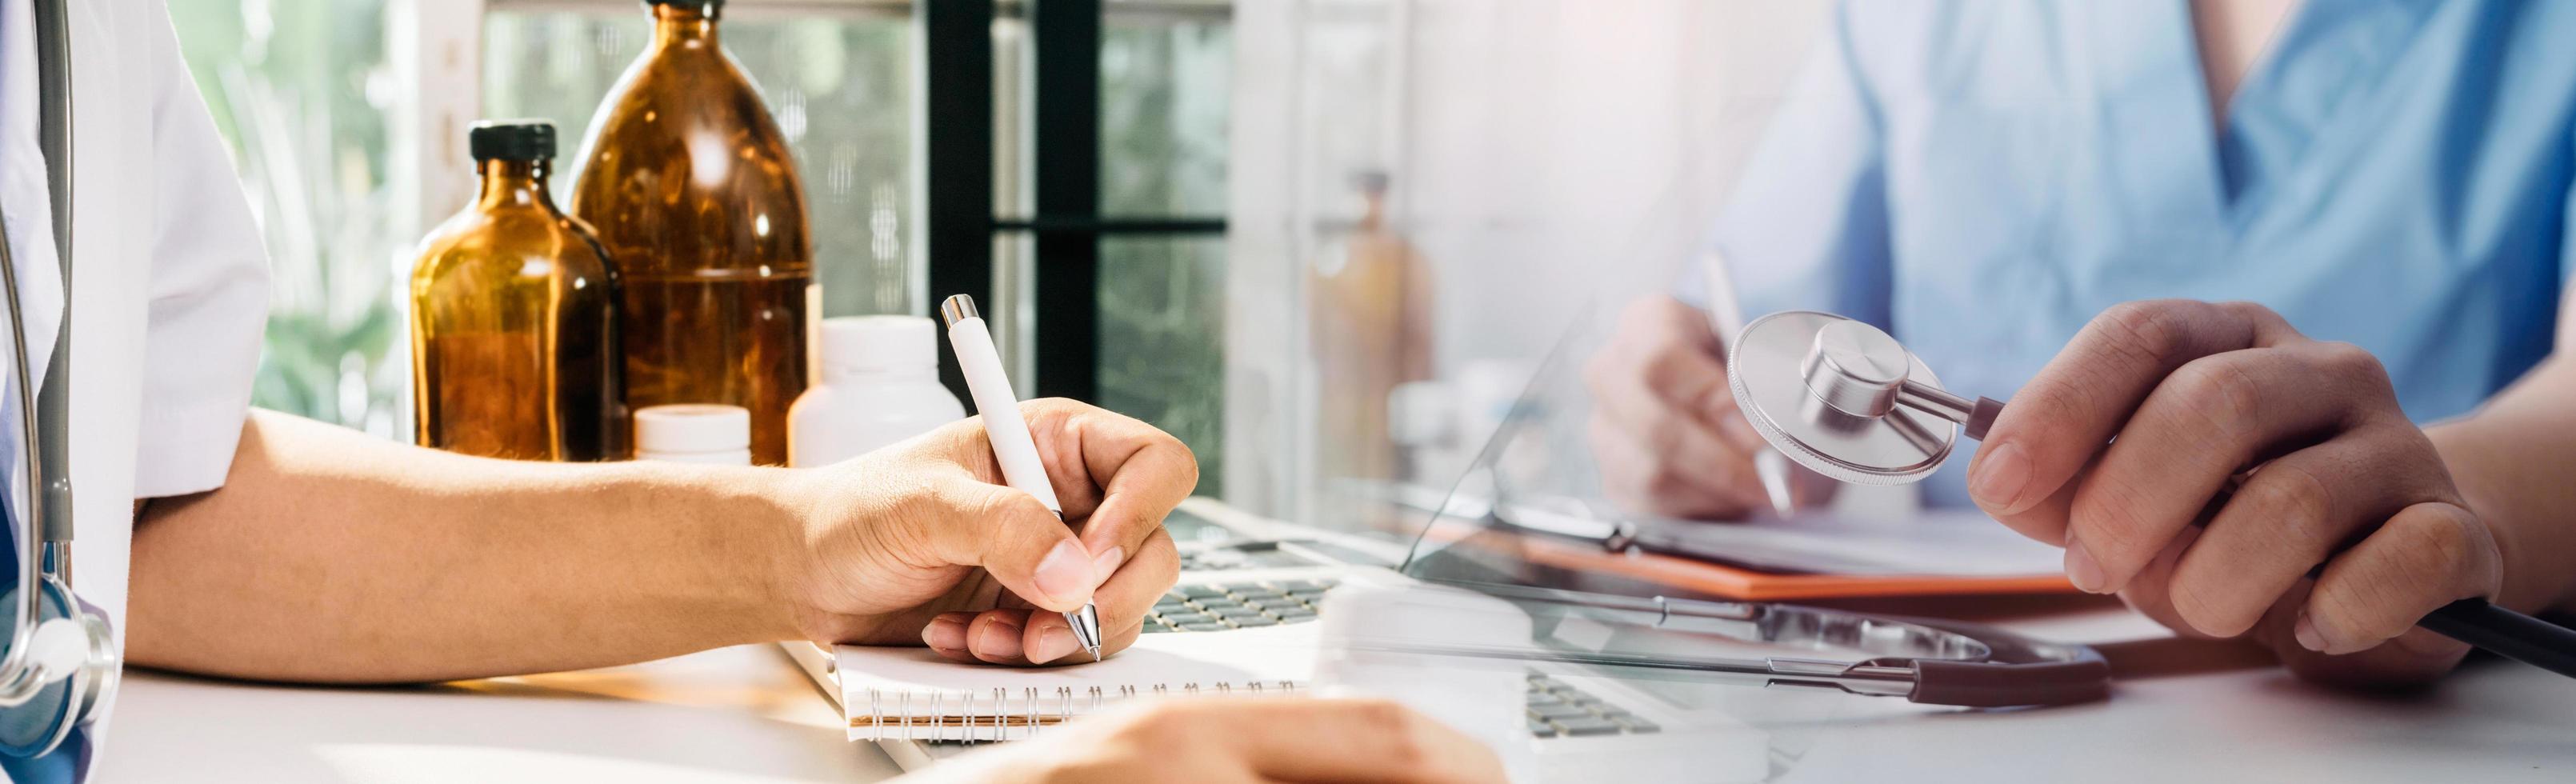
1990,181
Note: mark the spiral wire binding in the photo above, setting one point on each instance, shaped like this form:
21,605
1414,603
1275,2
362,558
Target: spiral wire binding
975,724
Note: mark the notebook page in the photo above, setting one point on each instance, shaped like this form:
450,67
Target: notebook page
947,700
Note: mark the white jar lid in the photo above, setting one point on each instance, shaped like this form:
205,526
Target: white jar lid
880,343
692,427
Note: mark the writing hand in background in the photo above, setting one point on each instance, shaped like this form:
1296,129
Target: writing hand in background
1664,425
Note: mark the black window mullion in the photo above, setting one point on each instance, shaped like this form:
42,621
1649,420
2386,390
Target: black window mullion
957,76
1065,38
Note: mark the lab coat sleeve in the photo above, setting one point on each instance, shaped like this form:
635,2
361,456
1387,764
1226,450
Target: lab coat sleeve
1807,224
208,288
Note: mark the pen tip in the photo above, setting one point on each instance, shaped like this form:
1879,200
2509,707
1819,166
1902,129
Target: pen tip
1095,653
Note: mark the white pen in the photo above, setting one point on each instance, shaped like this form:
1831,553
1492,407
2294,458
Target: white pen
1726,319
981,364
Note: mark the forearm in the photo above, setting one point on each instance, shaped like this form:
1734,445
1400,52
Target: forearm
2512,459
335,557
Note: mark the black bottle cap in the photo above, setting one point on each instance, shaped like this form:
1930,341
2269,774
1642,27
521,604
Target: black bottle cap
699,3
511,140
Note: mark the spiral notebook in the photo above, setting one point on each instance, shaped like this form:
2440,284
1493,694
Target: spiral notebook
913,694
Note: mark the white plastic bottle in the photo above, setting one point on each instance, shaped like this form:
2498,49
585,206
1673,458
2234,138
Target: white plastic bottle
880,384
694,433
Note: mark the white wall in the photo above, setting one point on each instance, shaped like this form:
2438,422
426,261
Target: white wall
1546,154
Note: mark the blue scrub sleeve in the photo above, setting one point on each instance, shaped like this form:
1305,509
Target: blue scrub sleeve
1807,224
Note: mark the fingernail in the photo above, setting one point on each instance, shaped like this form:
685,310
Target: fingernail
1999,474
946,634
1000,640
1107,563
2306,631
1054,642
1067,574
2081,569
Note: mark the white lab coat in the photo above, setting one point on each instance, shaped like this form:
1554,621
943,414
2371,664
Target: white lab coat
170,282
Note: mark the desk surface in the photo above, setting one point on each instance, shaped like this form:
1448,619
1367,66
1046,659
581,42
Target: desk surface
732,715
746,715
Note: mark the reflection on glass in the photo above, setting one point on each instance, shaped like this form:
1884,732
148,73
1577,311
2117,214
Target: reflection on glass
690,185
1371,312
1164,101
1162,333
1163,143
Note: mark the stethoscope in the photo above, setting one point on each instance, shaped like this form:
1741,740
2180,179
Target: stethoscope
1927,661
1846,400
62,661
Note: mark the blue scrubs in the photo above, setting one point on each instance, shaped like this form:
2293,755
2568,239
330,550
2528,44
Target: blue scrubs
1982,178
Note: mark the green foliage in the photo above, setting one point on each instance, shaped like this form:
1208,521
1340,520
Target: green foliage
297,87
1162,299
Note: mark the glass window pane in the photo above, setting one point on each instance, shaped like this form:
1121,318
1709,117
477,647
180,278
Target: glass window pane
1164,96
840,86
301,90
1162,340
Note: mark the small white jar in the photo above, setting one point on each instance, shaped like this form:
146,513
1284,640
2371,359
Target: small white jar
879,385
694,433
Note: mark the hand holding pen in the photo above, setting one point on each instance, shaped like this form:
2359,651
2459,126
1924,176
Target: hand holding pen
923,542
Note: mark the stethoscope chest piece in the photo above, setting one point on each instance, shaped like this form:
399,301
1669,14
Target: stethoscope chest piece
1841,397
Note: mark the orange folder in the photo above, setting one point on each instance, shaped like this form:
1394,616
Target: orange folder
1755,586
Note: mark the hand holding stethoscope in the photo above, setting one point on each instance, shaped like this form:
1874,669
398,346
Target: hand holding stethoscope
2132,449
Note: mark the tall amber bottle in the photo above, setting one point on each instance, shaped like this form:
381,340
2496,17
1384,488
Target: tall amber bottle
514,317
692,190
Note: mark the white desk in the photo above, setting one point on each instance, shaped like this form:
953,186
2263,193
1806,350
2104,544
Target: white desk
733,715
745,715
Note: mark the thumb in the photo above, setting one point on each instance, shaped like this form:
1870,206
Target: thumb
1017,539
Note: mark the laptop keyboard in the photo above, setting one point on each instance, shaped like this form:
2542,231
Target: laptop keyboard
1555,708
1558,709
1216,607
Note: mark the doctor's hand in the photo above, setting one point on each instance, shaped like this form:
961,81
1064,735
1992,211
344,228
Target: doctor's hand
1235,739
1664,424
921,542
2346,529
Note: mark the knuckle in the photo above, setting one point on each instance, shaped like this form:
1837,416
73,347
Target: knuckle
2218,389
2149,330
2444,543
2355,366
2294,496
2105,519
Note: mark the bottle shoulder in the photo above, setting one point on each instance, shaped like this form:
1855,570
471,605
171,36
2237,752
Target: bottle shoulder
863,401
669,112
685,170
513,240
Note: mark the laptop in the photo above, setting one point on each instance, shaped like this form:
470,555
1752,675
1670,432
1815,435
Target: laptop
1241,571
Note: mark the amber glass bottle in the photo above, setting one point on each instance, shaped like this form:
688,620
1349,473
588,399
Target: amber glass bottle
514,317
691,188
